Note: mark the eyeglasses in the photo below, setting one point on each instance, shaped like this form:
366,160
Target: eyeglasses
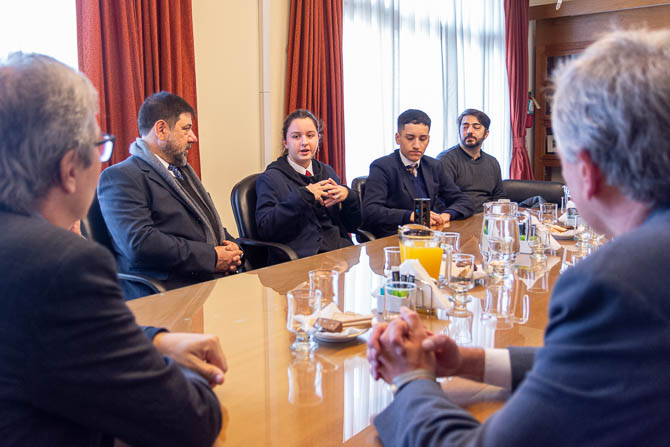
105,147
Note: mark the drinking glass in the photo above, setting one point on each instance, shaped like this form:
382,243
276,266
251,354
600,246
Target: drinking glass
535,280
326,281
450,244
538,241
548,213
423,244
460,327
585,236
396,295
304,305
391,260
461,279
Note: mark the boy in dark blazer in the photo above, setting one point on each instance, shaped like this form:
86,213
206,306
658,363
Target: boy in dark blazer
396,179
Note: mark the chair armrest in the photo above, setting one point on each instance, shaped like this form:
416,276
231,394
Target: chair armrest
364,236
256,251
154,285
288,251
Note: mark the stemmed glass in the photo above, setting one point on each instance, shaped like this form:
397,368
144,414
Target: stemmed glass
461,280
304,305
538,240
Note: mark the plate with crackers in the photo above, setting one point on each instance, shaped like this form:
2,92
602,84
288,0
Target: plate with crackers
563,233
335,326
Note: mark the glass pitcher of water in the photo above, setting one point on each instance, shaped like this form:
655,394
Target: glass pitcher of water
503,229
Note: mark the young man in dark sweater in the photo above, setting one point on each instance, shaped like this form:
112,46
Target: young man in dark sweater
475,172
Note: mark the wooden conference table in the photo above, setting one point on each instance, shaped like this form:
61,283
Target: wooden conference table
271,397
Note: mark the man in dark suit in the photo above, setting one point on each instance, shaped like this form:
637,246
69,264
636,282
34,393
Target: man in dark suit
601,377
395,180
162,221
75,369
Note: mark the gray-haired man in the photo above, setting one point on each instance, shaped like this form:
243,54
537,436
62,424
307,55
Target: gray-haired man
75,369
601,377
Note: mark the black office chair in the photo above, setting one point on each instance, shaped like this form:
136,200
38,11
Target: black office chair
358,185
243,201
520,190
93,227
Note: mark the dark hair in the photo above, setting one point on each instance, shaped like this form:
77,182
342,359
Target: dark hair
300,114
413,116
482,117
161,106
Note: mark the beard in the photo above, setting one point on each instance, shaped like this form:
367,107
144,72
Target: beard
177,155
477,141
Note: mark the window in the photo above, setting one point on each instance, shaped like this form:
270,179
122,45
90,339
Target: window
438,56
40,26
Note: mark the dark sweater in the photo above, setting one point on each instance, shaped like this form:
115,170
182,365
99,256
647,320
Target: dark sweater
480,179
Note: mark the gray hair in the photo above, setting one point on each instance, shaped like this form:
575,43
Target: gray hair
613,102
46,109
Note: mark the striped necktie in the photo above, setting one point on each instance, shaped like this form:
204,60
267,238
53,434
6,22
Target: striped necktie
412,169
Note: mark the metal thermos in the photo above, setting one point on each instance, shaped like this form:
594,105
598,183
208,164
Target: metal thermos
422,212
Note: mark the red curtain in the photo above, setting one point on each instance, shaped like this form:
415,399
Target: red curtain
516,32
314,72
130,49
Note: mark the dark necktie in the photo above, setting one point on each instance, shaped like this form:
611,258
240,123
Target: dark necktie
176,171
412,169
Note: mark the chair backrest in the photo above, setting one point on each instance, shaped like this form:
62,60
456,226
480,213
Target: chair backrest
358,185
520,190
93,226
243,202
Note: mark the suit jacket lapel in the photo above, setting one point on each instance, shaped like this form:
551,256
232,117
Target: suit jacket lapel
176,190
405,179
428,178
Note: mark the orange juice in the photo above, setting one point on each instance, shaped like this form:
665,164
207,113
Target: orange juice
429,257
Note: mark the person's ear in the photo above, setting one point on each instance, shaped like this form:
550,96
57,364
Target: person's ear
486,135
397,138
161,129
68,172
592,178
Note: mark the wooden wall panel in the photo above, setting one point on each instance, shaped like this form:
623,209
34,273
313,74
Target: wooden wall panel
571,34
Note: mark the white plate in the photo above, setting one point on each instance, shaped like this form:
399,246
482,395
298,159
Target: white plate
336,337
566,235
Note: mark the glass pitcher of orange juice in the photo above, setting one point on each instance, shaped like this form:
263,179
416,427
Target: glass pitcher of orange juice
421,243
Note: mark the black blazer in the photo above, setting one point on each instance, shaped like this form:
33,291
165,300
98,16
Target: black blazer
73,362
389,194
154,230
